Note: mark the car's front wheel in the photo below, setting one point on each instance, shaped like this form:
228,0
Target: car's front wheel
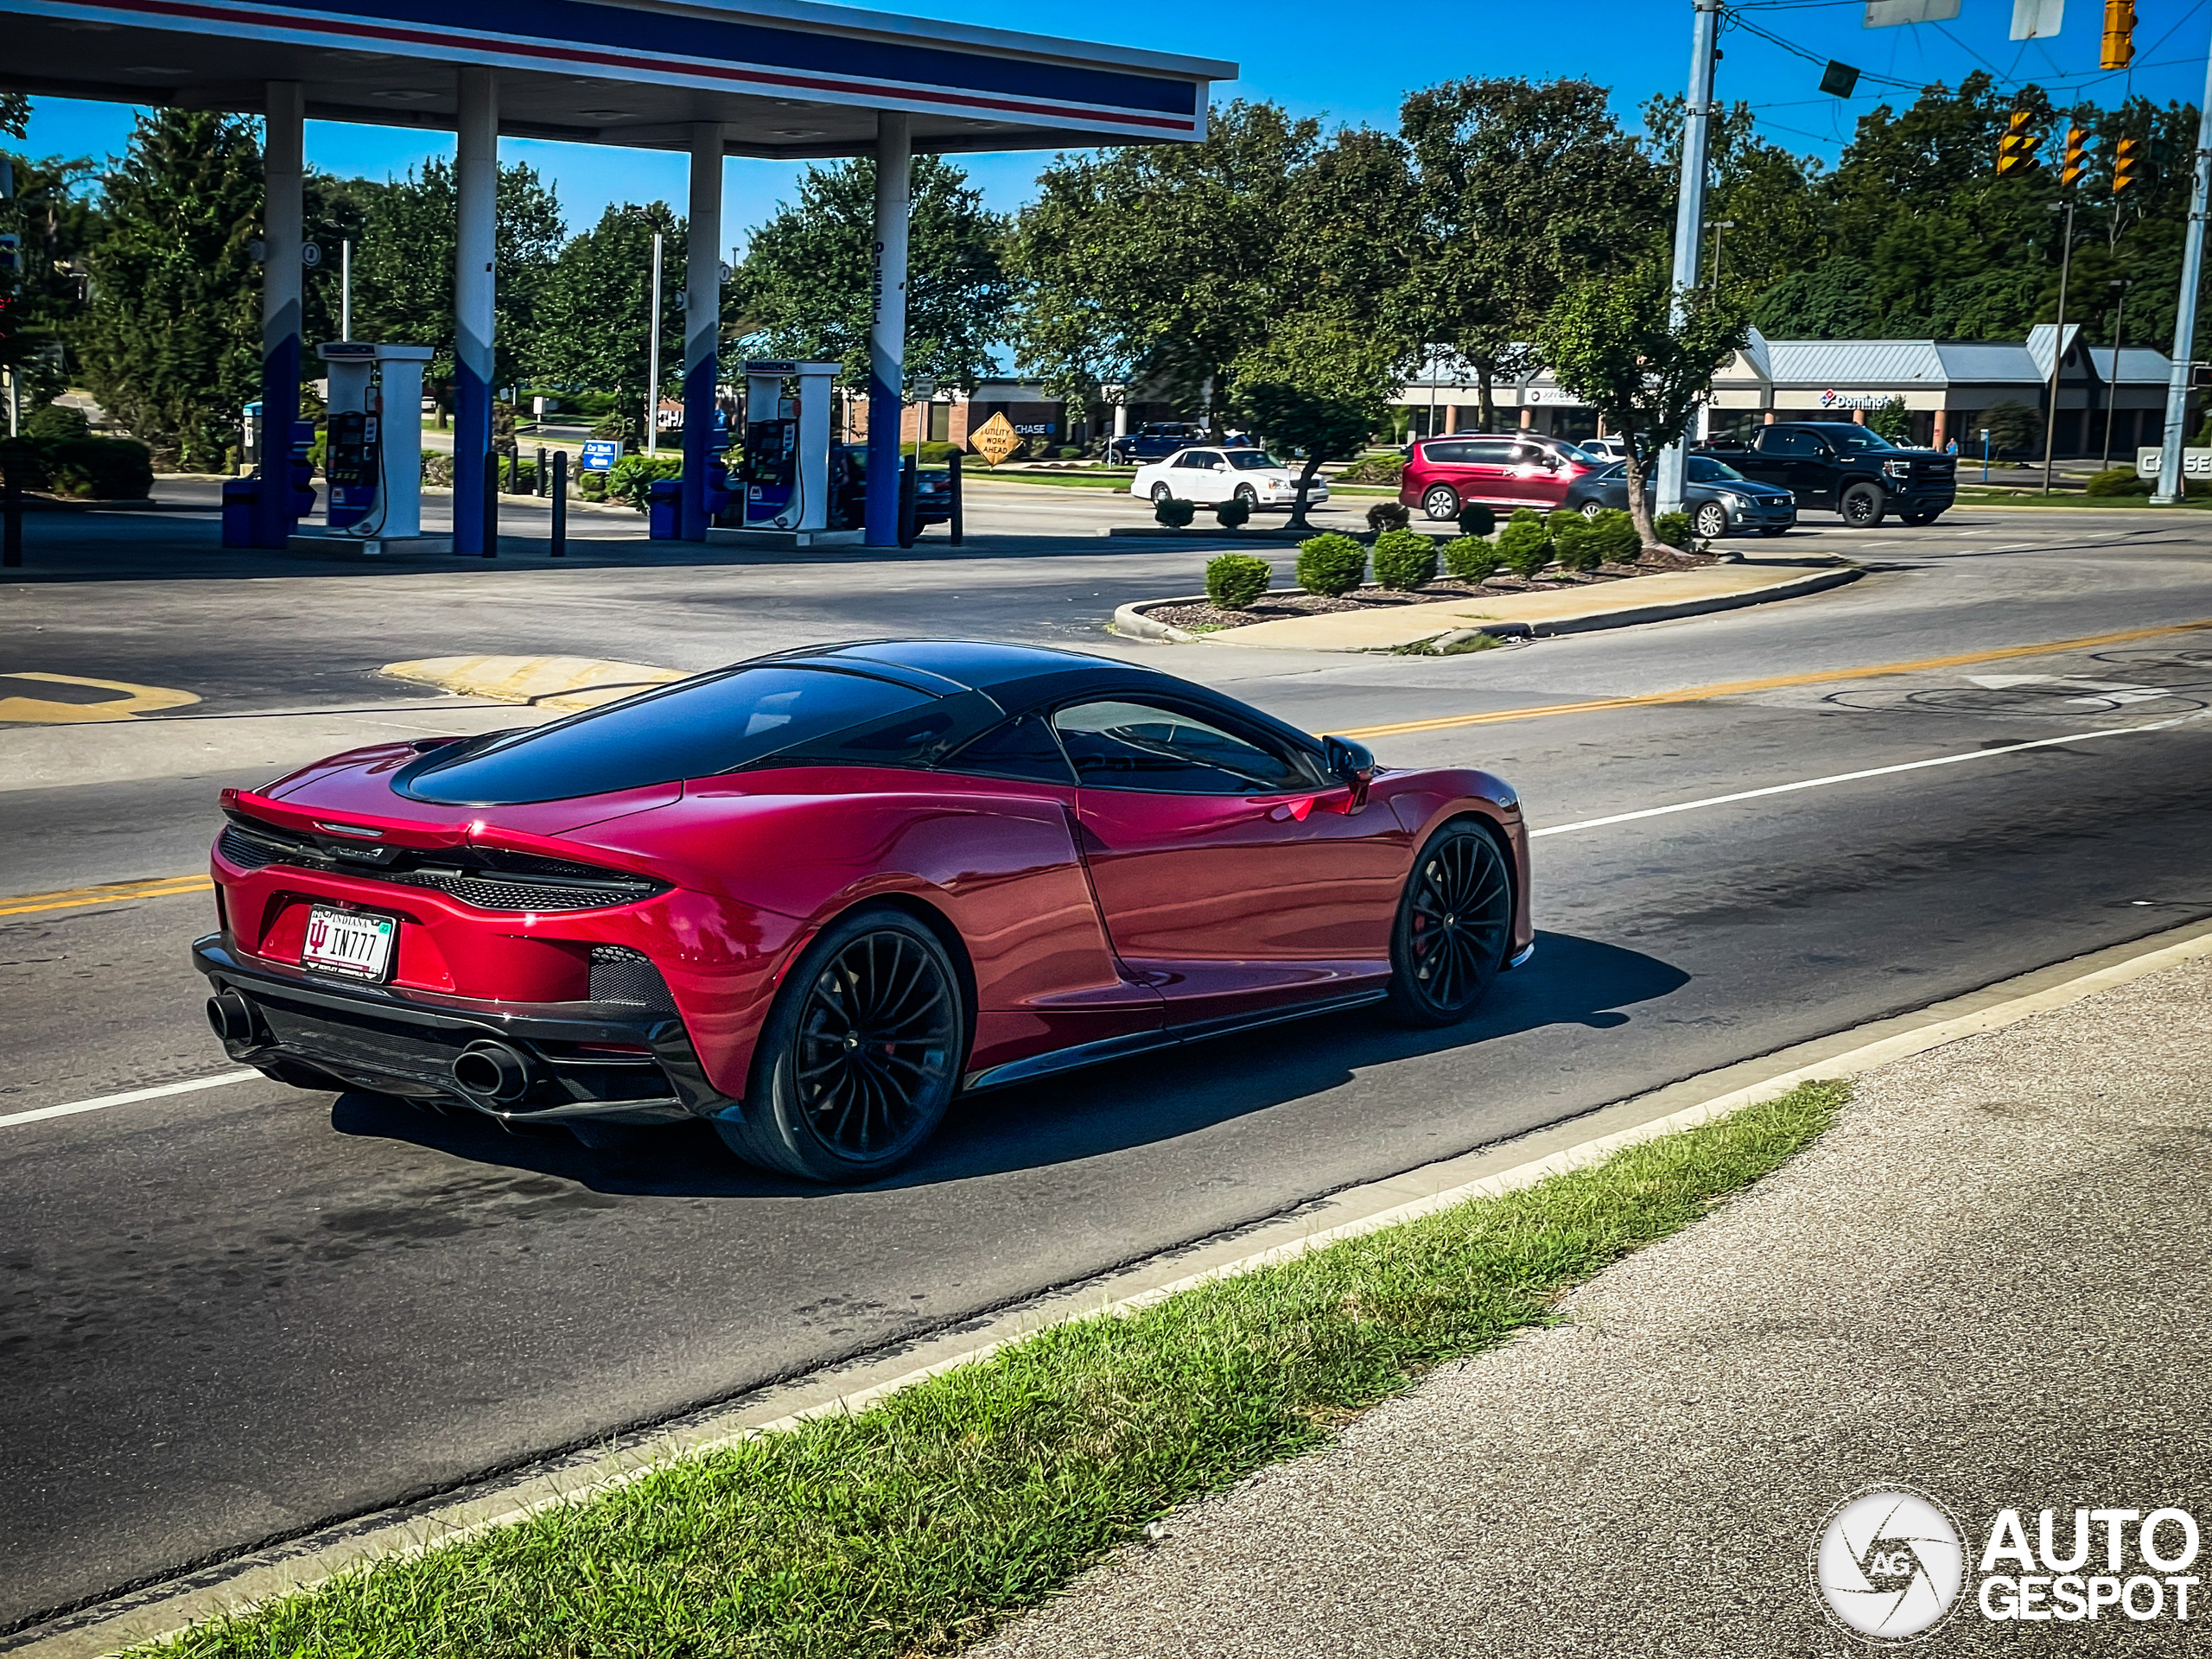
1441,503
1454,927
1161,492
1592,509
861,1055
1710,521
1862,506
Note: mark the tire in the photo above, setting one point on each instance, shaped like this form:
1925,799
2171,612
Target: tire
1454,927
1441,503
1862,506
1592,509
1161,492
832,1098
1248,495
1709,521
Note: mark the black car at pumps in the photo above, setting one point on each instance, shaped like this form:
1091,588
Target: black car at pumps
1846,469
1718,498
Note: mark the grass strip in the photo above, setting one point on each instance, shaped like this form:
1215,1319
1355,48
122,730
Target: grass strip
919,1525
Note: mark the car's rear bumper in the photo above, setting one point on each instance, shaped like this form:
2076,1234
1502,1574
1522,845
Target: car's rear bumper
404,1043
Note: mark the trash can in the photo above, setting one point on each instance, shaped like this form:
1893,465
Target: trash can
664,509
241,498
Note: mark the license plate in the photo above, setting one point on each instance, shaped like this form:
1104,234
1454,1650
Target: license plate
349,942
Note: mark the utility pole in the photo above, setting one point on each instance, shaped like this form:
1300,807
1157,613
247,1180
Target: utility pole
345,290
2192,268
1689,210
2058,347
653,358
2119,286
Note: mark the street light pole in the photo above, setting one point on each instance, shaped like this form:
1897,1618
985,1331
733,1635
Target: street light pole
652,359
2112,386
2058,346
1718,225
1690,211
2192,268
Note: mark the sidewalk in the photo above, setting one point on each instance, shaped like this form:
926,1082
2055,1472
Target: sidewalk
1990,1282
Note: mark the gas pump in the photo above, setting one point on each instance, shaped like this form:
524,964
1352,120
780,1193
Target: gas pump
372,454
784,475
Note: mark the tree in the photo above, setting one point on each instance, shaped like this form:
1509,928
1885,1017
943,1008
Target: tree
1316,390
1769,197
804,287
1610,342
1523,190
592,330
54,216
15,114
170,342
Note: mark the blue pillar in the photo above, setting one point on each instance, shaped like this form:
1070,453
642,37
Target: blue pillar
476,189
282,235
703,306
887,336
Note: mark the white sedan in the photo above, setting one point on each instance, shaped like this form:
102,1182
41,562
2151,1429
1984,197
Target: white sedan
1210,475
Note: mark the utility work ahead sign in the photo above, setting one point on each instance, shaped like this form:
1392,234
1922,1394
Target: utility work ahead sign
995,439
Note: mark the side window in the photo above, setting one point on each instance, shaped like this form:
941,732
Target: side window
1188,460
1022,748
1143,746
1490,451
1448,454
1788,441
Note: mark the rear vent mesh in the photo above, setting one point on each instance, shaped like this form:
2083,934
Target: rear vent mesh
621,975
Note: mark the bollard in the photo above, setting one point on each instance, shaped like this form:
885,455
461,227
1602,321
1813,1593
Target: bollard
907,481
11,544
560,504
537,478
959,524
514,470
492,505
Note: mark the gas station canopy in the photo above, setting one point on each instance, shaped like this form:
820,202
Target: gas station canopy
783,80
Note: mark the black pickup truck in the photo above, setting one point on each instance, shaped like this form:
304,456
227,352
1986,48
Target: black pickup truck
1846,469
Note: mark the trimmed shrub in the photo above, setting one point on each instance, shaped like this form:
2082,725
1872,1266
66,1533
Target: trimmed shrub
56,424
101,469
1373,469
2118,480
1236,580
1386,515
1470,558
1477,519
1404,559
1574,541
1173,512
631,479
1672,529
1069,452
1524,546
591,485
1232,514
1613,533
1331,565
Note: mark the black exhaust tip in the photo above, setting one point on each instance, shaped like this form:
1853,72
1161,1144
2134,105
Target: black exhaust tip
232,1016
492,1073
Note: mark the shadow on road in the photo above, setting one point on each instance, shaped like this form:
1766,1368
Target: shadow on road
1155,1097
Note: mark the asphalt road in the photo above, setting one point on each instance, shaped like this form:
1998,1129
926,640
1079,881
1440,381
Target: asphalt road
236,1314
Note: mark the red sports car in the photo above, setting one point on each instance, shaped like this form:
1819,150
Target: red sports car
813,896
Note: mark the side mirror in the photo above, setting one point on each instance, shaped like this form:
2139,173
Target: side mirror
1350,763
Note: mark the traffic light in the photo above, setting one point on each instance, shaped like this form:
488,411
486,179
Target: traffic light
2076,161
2120,34
2016,150
2127,163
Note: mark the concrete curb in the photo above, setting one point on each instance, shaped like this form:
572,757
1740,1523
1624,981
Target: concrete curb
564,684
1489,1171
1130,622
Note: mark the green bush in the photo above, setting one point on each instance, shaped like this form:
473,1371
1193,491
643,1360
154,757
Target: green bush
612,426
1470,558
1173,512
1524,546
631,479
1069,452
101,469
1573,541
437,469
1331,565
56,424
2118,480
592,486
1672,529
1404,559
1387,516
1232,514
1477,519
1236,580
1613,533
1373,469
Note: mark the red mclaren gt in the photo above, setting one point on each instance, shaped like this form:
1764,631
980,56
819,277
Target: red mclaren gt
811,897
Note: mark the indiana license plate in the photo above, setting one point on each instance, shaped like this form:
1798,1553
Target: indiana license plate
349,942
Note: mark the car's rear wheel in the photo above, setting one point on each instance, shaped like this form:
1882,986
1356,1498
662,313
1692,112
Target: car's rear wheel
1441,503
1454,927
1862,506
861,1055
1709,521
1592,509
1161,492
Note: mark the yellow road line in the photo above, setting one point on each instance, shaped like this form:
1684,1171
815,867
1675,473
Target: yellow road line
110,892
1731,688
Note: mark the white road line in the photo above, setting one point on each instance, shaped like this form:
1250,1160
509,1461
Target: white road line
1853,777
128,1098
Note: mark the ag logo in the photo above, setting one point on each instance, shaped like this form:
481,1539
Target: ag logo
1889,1564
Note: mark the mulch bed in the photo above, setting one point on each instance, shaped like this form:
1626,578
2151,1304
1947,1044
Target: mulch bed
1291,602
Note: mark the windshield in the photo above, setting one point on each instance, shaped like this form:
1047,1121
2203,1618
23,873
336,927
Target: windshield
1580,455
1705,470
1856,440
1246,461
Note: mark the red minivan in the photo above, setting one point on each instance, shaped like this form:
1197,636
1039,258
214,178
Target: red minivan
1502,470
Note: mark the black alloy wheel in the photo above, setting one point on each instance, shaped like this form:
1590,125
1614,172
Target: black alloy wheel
1441,503
861,1055
1454,927
1709,521
1862,506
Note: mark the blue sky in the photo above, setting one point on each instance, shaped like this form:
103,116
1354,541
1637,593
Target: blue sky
1354,66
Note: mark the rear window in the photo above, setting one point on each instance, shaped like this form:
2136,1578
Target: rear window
692,730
